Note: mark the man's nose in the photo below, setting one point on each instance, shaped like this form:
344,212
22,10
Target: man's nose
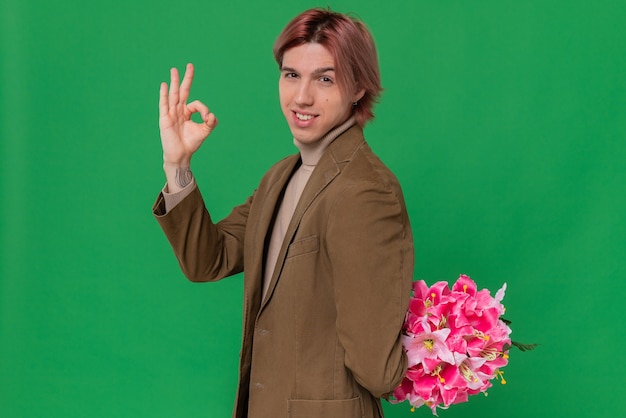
304,95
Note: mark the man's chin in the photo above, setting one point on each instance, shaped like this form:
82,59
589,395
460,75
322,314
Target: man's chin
304,136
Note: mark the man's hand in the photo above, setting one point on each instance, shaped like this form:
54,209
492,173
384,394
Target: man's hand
180,136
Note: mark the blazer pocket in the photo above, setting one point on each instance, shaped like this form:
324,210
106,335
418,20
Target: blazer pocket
303,246
341,408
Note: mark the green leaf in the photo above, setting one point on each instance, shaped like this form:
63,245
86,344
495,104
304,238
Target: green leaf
524,347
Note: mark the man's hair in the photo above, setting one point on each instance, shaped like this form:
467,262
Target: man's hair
352,47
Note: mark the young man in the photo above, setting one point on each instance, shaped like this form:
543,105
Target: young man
324,242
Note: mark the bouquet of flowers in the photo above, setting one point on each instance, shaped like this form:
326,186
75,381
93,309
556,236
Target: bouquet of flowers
456,343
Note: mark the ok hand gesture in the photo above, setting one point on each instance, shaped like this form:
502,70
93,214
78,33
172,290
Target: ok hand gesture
180,136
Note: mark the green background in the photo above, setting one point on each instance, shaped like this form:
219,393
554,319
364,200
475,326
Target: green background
504,121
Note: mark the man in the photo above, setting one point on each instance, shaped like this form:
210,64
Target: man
324,242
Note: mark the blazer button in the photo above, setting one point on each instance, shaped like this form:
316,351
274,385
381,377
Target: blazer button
259,386
262,331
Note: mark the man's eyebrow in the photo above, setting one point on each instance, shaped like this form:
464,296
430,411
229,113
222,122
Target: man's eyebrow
321,70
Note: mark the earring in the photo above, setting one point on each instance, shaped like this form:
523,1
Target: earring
355,104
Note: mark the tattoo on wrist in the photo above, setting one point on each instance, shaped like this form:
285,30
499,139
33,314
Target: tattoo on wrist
183,177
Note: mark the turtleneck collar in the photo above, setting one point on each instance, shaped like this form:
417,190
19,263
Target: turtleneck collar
311,153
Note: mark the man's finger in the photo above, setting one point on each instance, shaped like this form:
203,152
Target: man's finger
198,107
174,82
185,87
163,102
210,122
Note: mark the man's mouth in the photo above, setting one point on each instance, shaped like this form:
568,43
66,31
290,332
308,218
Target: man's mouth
303,117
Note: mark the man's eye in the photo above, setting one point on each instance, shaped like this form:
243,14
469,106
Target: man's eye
290,75
325,79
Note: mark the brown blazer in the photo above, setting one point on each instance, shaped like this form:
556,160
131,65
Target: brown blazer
325,342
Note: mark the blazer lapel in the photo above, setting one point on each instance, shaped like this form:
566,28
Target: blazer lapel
327,169
267,208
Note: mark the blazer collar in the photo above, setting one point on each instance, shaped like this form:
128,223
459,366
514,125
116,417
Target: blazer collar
339,152
343,148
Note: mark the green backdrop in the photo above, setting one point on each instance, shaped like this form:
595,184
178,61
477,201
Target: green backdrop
504,121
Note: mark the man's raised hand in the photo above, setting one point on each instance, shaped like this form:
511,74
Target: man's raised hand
180,136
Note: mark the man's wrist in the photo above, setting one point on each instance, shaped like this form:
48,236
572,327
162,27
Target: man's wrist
168,164
183,177
178,175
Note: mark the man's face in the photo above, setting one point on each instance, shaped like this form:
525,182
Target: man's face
310,97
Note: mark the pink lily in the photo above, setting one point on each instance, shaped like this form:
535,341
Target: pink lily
427,344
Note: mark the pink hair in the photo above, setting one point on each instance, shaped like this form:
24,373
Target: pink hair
349,42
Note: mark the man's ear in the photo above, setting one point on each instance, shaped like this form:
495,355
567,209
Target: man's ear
358,95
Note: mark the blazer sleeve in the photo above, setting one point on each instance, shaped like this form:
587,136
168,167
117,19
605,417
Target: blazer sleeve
206,251
370,246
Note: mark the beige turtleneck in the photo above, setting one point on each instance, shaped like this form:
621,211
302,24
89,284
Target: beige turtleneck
310,154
